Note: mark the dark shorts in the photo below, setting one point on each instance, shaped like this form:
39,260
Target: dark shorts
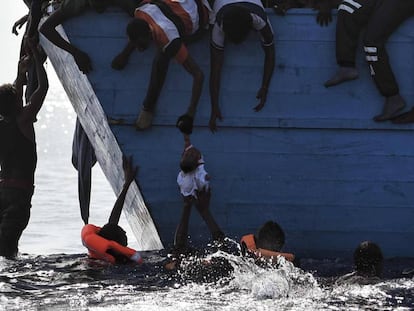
15,207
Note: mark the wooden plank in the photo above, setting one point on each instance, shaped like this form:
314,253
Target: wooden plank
108,154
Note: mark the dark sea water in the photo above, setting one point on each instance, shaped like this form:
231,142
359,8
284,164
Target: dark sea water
53,272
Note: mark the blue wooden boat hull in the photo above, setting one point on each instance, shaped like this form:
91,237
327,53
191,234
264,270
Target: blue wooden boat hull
312,160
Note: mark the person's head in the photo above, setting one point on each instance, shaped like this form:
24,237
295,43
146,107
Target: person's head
115,233
368,259
8,100
99,5
190,160
237,23
139,34
270,236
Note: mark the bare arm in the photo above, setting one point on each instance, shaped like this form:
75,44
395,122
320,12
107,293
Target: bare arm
21,79
129,175
187,141
19,24
121,60
48,29
216,64
198,78
38,96
268,68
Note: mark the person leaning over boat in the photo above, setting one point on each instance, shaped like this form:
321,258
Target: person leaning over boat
109,243
368,262
18,156
194,184
381,18
233,21
266,244
71,8
171,25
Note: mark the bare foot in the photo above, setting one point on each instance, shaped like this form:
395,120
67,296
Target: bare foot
342,75
406,117
392,106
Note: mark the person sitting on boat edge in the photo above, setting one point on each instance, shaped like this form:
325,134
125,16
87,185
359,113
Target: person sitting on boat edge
266,244
170,25
380,19
233,22
194,185
71,8
18,155
368,262
109,243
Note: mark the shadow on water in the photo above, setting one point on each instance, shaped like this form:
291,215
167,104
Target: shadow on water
74,282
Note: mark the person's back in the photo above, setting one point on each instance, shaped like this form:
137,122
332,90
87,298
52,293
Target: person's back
18,154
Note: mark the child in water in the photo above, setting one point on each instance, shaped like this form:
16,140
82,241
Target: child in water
109,243
194,184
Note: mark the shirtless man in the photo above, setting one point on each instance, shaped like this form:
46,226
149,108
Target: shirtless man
18,156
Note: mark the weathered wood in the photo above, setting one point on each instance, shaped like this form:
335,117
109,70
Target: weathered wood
313,159
108,154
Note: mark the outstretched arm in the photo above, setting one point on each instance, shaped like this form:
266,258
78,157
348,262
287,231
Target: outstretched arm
121,60
129,175
21,78
19,24
48,29
216,59
198,78
269,66
38,96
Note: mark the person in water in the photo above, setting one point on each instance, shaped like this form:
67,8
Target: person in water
234,21
71,8
194,185
109,243
380,19
266,244
18,155
368,262
171,25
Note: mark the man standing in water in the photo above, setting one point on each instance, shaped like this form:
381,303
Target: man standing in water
18,156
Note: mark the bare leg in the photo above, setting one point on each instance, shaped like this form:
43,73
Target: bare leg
202,206
181,234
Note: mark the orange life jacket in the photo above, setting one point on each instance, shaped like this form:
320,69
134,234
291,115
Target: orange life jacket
98,246
250,243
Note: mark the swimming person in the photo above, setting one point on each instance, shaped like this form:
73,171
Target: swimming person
18,155
109,243
194,185
368,262
267,243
